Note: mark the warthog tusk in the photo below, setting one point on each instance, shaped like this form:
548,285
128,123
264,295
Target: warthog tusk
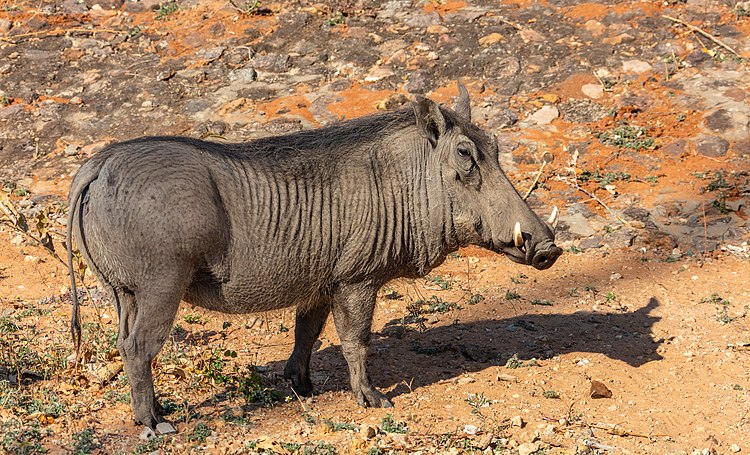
552,221
518,235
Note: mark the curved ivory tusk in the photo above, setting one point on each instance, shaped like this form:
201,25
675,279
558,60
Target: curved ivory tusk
517,235
553,217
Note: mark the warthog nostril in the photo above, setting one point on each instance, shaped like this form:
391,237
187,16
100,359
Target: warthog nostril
542,259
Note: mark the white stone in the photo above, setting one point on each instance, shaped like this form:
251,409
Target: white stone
544,116
594,91
635,66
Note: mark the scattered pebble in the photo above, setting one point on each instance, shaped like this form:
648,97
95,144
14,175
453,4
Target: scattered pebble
517,421
544,116
527,448
594,91
146,434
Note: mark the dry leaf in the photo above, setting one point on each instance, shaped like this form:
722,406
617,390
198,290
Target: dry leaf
599,390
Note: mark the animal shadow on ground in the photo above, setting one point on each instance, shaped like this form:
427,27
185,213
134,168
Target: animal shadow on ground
401,355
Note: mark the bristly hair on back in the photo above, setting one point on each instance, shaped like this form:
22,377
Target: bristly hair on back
366,129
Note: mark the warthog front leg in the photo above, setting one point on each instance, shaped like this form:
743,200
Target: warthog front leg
352,312
306,331
145,322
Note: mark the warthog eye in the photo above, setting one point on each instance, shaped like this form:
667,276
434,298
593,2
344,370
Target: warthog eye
464,151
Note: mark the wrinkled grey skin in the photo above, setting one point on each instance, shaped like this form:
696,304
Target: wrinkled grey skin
318,219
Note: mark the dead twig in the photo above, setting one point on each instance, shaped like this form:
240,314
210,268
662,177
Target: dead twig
58,32
693,28
536,180
574,184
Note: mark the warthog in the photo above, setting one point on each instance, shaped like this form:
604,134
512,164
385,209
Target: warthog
319,219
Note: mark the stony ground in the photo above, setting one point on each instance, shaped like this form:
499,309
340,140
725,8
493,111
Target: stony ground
630,116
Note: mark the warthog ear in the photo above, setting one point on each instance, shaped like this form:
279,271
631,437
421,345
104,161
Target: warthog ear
463,103
430,120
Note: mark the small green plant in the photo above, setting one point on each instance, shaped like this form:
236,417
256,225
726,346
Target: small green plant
283,328
510,295
375,451
200,432
477,401
717,181
339,426
434,305
519,279
4,101
681,117
574,249
541,302
574,293
250,7
603,179
440,282
738,387
291,447
390,425
336,18
85,442
626,136
474,299
591,289
653,179
153,445
716,299
611,296
165,9
21,438
741,10
513,362
551,394
194,319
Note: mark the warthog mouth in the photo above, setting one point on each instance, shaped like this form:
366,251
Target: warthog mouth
538,256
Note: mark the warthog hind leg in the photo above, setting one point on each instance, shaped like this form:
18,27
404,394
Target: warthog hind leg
146,319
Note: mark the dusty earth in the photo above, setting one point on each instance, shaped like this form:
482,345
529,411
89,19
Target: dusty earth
631,116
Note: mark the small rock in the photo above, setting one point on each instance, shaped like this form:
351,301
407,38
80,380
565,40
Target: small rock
517,421
635,66
471,429
590,243
713,146
419,81
677,148
594,91
273,62
595,27
527,448
719,121
244,75
506,377
544,116
146,434
735,448
492,38
437,29
71,150
165,428
368,431
465,380
615,276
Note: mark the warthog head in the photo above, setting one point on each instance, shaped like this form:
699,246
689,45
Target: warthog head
485,208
